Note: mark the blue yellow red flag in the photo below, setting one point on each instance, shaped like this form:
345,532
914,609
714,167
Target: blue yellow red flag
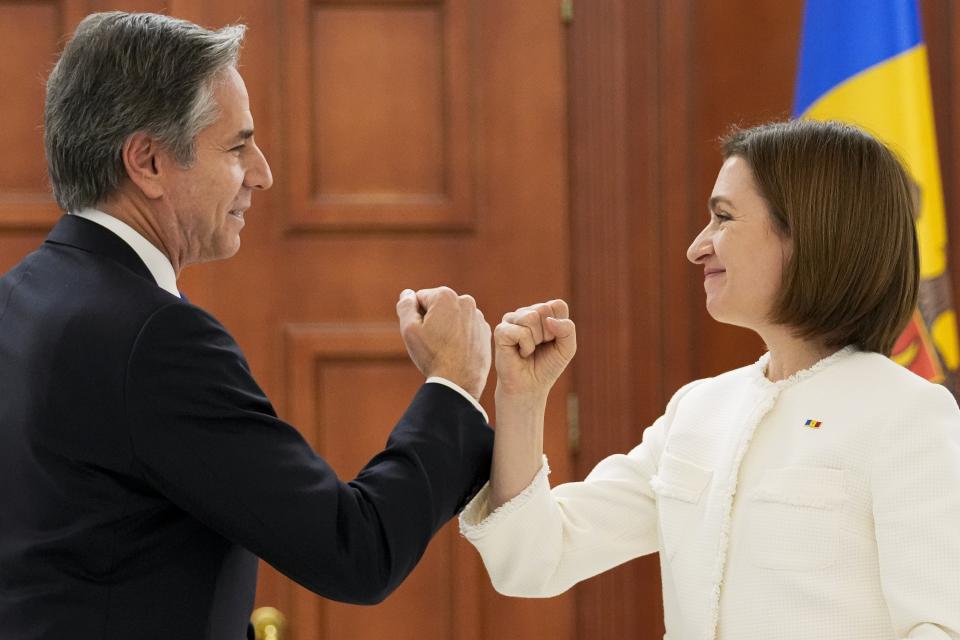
865,62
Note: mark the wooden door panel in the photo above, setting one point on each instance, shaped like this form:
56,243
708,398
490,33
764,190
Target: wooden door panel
413,143
381,67
503,239
31,32
379,98
347,386
29,41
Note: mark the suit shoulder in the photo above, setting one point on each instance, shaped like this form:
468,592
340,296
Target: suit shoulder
180,321
183,337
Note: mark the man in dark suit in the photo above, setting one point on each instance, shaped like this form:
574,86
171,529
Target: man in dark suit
142,470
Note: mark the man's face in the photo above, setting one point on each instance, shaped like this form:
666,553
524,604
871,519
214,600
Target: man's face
209,198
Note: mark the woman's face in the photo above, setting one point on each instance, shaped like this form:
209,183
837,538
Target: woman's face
741,252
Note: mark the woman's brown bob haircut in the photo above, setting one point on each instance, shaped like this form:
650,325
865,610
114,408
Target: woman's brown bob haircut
846,204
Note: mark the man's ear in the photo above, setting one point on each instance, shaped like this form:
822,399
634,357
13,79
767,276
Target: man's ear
145,161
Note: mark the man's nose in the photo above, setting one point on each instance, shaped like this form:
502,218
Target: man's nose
259,175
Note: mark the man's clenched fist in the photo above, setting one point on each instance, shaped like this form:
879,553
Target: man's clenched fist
446,336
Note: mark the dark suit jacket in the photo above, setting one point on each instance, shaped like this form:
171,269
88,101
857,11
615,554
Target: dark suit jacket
142,469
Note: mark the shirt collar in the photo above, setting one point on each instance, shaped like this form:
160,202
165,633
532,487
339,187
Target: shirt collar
156,262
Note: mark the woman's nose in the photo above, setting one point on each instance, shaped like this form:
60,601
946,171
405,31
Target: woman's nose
701,247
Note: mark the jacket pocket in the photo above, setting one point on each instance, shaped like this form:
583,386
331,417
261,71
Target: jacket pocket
679,486
793,522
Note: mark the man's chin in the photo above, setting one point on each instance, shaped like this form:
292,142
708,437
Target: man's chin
230,251
219,253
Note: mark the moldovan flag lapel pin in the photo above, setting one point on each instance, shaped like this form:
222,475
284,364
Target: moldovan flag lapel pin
813,424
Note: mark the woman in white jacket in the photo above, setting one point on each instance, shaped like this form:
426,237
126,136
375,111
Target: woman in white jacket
813,494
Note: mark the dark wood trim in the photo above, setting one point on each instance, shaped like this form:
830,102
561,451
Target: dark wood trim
31,212
601,268
940,20
618,241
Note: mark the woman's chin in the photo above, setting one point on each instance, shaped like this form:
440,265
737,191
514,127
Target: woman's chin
723,315
715,309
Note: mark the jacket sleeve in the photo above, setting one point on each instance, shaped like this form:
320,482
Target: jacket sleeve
916,510
205,435
544,541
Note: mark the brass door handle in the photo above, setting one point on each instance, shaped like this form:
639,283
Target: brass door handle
268,623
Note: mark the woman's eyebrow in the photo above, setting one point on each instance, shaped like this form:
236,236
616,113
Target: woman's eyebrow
715,200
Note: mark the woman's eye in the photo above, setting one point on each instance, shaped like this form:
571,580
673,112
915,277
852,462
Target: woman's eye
721,216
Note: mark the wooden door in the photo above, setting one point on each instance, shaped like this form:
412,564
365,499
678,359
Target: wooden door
413,143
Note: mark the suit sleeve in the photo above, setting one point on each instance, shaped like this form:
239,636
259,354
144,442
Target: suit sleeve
916,510
205,435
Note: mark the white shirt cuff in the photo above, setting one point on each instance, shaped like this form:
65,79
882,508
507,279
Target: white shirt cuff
461,391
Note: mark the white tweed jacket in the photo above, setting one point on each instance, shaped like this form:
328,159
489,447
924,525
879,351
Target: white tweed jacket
824,506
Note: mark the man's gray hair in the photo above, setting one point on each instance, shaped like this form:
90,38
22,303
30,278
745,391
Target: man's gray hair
122,73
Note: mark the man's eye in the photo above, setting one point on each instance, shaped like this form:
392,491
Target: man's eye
238,148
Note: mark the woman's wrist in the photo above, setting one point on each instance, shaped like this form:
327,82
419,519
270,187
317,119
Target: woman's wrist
521,400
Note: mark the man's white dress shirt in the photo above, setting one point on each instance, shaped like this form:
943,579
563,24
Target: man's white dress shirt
157,263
